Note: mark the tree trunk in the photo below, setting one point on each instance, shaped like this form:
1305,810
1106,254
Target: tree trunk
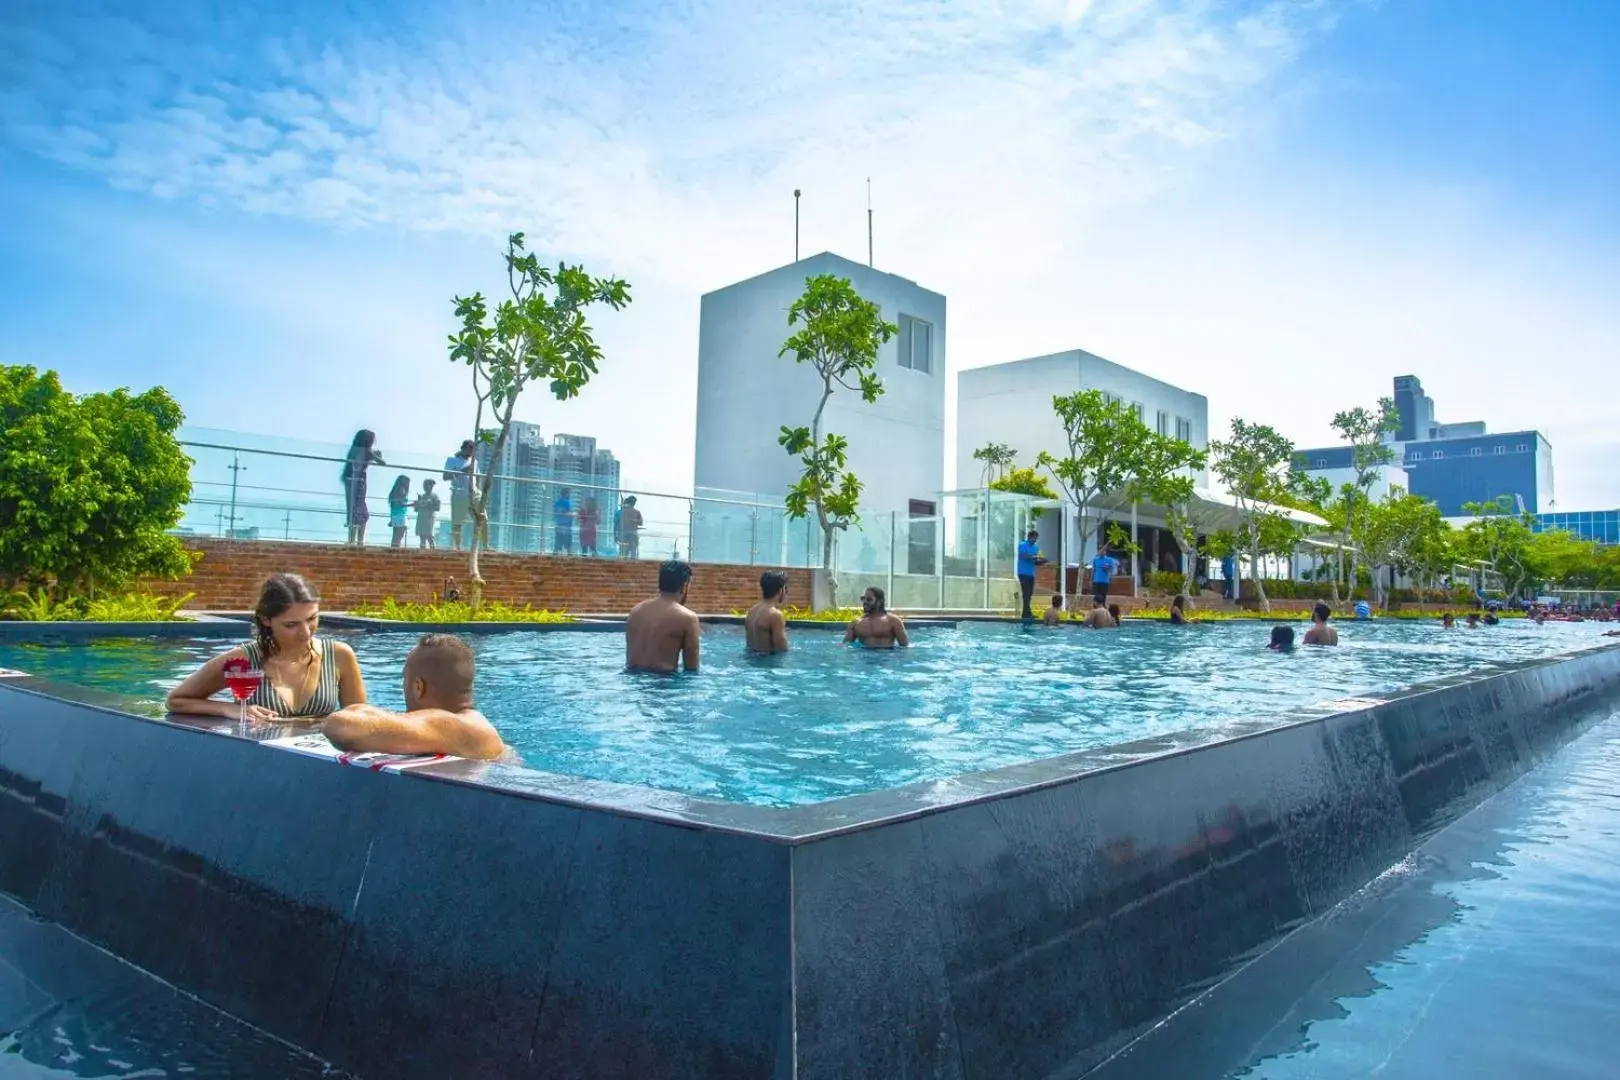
826,562
1254,572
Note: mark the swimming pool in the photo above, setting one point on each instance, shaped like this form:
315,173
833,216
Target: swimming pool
1488,953
825,721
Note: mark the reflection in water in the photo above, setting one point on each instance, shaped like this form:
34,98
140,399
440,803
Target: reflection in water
68,1009
1488,953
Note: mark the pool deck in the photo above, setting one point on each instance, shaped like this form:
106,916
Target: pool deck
1027,921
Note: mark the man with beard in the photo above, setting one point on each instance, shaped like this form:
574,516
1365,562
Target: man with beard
877,628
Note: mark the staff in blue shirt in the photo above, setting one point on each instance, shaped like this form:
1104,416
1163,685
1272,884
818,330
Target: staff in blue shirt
1029,557
1103,569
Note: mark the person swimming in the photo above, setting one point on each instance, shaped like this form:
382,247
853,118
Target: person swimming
1473,620
1113,613
765,627
1448,621
1320,632
1098,618
1178,611
1282,639
877,628
1054,614
439,716
662,634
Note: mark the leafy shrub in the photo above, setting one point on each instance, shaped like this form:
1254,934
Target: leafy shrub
1165,582
133,607
89,487
831,615
454,611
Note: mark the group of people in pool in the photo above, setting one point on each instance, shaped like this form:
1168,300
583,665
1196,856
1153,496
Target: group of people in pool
309,678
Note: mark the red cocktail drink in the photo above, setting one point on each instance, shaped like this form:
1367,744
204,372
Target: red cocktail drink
243,682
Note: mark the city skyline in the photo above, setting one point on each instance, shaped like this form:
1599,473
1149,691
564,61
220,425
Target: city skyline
1277,205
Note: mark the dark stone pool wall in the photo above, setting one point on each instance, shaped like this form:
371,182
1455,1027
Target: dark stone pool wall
486,921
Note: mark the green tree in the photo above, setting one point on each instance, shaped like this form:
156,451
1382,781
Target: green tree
997,458
1404,532
1502,539
1254,464
1113,458
89,486
841,332
538,334
1163,477
1367,431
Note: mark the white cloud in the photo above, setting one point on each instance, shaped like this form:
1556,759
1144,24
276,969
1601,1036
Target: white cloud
1032,160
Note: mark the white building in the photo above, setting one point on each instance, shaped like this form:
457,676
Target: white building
1011,403
747,393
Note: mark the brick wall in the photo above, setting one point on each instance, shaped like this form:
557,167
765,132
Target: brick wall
228,576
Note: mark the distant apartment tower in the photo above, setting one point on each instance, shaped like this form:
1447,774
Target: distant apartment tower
1454,464
1011,403
530,475
747,392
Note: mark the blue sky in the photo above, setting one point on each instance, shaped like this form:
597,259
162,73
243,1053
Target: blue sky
1279,203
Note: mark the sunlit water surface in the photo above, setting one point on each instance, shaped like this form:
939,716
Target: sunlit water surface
826,720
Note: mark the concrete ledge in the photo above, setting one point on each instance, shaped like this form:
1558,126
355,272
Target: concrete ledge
471,919
395,626
193,626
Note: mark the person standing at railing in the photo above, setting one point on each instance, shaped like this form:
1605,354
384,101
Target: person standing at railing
627,528
458,472
562,518
427,515
399,500
588,517
362,456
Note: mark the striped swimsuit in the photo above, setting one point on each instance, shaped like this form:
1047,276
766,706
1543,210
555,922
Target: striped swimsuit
323,702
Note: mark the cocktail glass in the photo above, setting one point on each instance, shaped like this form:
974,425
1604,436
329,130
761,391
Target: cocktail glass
243,684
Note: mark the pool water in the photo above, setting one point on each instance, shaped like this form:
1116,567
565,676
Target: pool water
1489,953
825,720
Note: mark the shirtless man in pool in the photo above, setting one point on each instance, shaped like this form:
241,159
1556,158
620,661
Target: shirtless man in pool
766,627
662,634
877,628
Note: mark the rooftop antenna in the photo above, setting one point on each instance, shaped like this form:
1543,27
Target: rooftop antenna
869,221
795,224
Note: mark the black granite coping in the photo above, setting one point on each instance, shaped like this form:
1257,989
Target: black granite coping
794,825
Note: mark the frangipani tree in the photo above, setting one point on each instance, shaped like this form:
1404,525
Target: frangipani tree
1366,431
1255,465
997,459
537,334
840,335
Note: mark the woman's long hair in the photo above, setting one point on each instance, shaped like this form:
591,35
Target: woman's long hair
359,454
402,488
280,592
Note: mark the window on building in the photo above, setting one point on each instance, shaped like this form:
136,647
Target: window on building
1141,413
1500,449
1184,429
1321,463
1475,452
1111,399
1524,448
1162,423
1438,454
916,344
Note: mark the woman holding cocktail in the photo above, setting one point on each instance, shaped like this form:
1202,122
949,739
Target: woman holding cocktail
287,672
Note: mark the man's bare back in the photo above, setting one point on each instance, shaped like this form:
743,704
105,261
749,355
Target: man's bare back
1099,619
766,628
660,635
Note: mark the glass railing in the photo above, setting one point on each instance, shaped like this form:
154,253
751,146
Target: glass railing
254,487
